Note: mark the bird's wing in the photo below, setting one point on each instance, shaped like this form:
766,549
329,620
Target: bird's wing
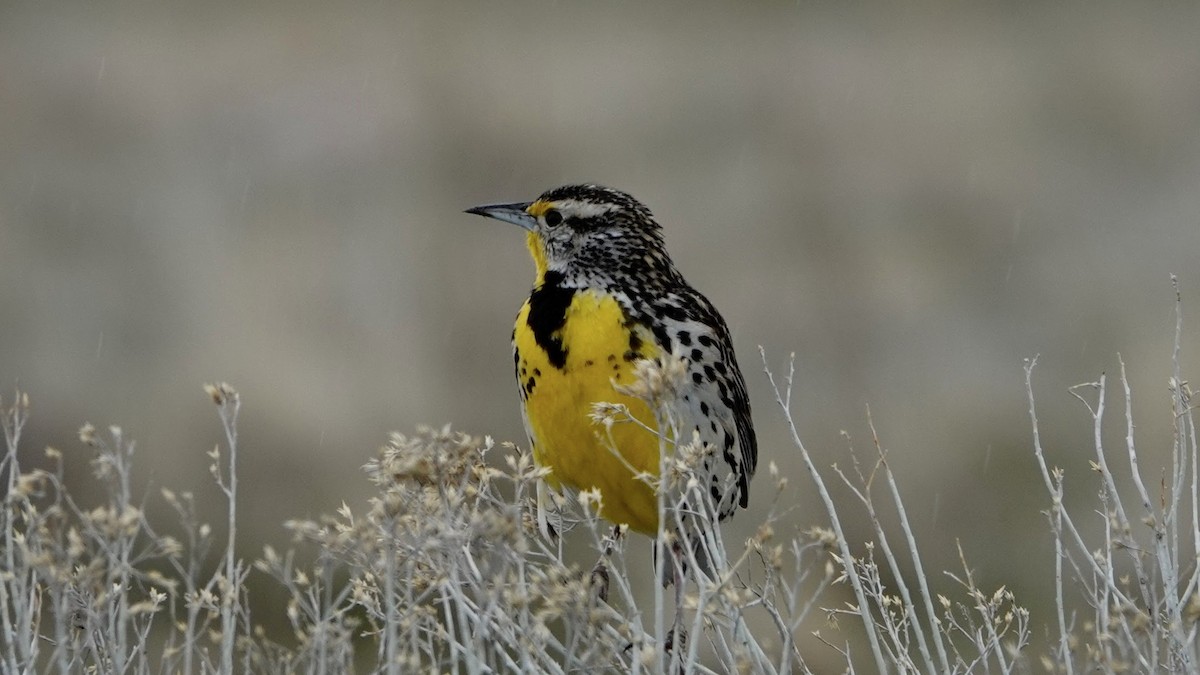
713,402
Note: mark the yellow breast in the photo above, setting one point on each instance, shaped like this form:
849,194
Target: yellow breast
558,402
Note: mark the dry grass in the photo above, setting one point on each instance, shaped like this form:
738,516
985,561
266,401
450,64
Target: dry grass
453,568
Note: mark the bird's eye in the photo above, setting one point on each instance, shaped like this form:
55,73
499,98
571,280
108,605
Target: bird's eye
553,218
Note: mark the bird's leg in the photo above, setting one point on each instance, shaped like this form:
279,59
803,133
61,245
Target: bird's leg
617,532
599,580
599,577
677,566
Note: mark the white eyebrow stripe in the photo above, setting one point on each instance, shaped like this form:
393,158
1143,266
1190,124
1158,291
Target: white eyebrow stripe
578,209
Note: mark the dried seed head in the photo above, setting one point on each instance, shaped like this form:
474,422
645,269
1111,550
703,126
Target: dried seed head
221,393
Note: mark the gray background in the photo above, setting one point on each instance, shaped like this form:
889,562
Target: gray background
913,199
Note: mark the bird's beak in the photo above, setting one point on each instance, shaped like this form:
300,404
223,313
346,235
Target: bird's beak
509,213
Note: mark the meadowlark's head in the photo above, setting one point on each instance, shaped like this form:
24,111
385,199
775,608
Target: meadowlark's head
587,234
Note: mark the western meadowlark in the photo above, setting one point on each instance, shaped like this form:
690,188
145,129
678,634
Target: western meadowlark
606,296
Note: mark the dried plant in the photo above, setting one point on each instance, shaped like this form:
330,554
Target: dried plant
458,564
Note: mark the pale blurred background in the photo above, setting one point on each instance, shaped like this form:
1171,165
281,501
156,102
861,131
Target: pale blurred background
913,199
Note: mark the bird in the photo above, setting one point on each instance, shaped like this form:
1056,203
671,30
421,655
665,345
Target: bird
607,295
